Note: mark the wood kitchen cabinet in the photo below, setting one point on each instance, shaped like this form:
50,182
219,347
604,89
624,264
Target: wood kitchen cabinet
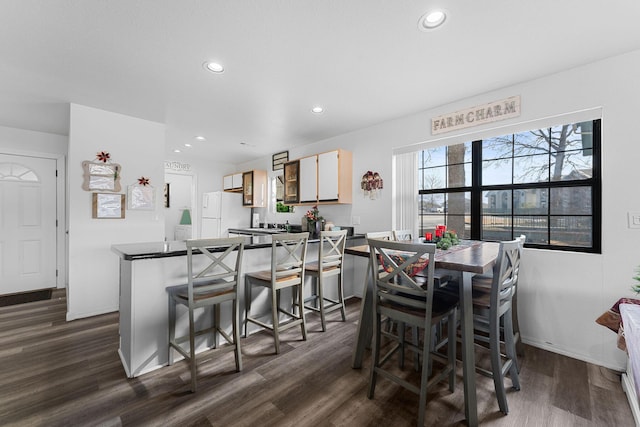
324,178
254,189
232,183
291,182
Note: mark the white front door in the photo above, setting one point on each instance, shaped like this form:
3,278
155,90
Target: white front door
27,223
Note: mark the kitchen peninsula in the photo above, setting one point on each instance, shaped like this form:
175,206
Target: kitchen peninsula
147,269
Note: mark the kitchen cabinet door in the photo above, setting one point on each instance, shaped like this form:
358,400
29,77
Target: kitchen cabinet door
308,173
328,177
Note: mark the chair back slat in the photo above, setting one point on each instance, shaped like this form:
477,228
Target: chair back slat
505,275
288,254
220,271
392,283
331,249
401,235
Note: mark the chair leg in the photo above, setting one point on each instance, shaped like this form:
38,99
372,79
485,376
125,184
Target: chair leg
192,353
375,355
216,326
401,339
496,363
172,327
275,299
320,299
247,304
303,324
236,334
341,298
451,349
426,367
510,350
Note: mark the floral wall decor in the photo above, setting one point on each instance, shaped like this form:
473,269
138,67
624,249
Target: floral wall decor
371,184
101,174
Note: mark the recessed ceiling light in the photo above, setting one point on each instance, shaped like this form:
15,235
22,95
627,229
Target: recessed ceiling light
432,19
317,110
187,145
200,138
214,67
176,151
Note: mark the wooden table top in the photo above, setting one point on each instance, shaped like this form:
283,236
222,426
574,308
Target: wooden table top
475,257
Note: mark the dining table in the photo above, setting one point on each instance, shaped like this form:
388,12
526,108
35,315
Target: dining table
468,258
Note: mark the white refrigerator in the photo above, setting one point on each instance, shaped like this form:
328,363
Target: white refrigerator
222,210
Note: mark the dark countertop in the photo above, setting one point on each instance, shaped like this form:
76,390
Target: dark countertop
149,250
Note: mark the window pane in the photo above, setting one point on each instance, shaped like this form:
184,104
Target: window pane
434,157
433,178
573,165
461,224
571,231
496,227
530,143
460,153
534,201
534,227
497,148
495,172
460,175
565,137
531,169
496,202
431,203
571,201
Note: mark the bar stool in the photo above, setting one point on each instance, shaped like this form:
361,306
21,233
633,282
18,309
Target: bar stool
483,282
329,264
398,297
210,283
288,253
492,313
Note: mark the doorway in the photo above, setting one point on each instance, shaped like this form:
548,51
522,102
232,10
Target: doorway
180,197
28,223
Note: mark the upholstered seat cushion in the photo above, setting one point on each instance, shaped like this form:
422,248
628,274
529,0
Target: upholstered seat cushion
442,304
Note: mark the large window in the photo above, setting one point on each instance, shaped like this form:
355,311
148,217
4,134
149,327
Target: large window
543,183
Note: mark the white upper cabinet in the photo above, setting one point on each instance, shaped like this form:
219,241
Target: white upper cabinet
328,176
308,177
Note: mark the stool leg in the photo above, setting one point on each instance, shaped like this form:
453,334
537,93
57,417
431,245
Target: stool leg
320,299
192,354
236,334
172,327
341,297
301,302
247,304
274,316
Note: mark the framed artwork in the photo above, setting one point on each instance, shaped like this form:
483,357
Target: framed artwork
101,176
141,197
107,206
279,159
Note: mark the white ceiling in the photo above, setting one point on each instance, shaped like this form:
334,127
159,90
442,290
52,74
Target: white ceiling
364,61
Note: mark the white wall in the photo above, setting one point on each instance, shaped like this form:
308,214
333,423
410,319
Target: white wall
561,294
138,146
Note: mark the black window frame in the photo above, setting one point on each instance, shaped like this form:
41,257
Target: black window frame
476,193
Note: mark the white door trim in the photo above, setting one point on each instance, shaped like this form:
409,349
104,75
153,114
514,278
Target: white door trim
62,254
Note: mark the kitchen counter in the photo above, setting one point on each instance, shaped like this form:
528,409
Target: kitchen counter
147,269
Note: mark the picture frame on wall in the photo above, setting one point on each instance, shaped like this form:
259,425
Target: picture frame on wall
141,197
107,206
279,159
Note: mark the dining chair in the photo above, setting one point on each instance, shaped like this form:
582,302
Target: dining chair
493,319
213,273
483,281
402,235
384,235
288,254
397,296
329,264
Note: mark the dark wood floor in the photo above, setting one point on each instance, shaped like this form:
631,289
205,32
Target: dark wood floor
58,373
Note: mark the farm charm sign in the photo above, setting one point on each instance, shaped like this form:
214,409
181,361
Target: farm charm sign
475,116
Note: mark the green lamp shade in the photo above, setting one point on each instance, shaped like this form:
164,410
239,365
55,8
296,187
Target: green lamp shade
186,217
